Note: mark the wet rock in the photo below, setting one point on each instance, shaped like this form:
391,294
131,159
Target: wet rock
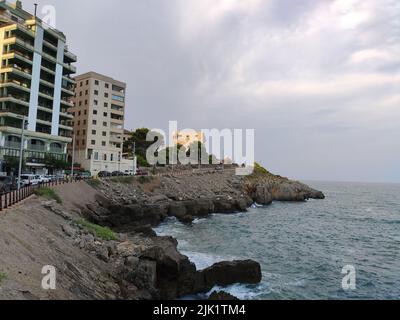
221,295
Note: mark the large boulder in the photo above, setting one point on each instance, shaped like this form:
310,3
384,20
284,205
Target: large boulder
229,272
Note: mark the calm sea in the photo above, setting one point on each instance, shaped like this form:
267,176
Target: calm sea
302,247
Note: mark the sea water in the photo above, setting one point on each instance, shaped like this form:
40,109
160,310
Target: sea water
303,247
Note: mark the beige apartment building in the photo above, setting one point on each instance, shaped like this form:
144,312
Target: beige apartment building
99,109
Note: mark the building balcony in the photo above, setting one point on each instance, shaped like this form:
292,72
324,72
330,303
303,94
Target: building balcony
50,45
67,103
47,83
69,67
68,91
25,44
69,79
16,85
46,94
12,145
15,99
72,57
52,72
49,57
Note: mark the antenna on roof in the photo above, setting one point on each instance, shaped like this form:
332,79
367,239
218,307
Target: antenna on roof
35,8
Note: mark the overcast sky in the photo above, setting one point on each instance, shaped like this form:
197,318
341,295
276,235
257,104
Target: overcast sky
319,80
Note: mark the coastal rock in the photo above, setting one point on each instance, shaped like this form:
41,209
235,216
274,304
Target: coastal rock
221,295
230,272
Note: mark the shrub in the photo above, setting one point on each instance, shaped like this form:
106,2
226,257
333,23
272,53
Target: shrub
99,231
94,182
48,193
2,277
127,180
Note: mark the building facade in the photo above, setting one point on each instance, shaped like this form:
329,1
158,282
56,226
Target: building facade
187,137
35,85
99,110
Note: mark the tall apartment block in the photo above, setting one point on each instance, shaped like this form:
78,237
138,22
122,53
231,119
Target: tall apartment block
99,122
35,83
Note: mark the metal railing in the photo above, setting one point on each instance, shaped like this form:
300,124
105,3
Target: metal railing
8,199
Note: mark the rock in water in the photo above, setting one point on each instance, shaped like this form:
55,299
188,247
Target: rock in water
221,295
230,272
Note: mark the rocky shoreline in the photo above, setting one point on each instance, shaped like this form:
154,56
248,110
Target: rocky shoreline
138,206
135,263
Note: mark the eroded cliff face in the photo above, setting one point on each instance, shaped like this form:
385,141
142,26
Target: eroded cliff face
134,204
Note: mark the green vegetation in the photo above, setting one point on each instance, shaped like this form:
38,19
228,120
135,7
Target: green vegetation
126,180
145,179
94,182
260,169
48,193
99,231
2,277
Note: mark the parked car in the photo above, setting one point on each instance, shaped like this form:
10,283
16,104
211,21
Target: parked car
141,173
44,179
103,174
30,180
117,174
7,184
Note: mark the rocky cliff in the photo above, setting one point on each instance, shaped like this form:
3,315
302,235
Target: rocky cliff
132,262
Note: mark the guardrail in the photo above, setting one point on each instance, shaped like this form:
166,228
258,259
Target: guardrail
8,199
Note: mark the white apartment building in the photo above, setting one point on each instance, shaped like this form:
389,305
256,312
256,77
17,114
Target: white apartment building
35,84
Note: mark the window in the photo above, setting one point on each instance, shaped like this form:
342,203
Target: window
87,82
96,82
84,121
81,84
83,142
86,102
79,123
80,103
93,142
96,156
105,157
106,85
118,98
80,93
105,114
95,102
96,92
83,131
79,113
86,92
85,112
93,131
112,157
106,95
78,133
104,124
95,112
103,143
77,143
94,122
104,134
105,105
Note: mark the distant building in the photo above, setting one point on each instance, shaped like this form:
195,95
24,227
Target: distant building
127,135
186,138
35,83
99,123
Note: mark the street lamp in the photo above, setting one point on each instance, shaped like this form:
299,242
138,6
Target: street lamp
21,150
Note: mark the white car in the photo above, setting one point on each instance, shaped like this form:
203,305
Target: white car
30,179
44,179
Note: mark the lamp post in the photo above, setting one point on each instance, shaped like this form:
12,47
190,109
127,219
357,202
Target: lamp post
73,156
21,152
134,158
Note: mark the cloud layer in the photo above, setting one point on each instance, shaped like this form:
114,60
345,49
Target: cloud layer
319,80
